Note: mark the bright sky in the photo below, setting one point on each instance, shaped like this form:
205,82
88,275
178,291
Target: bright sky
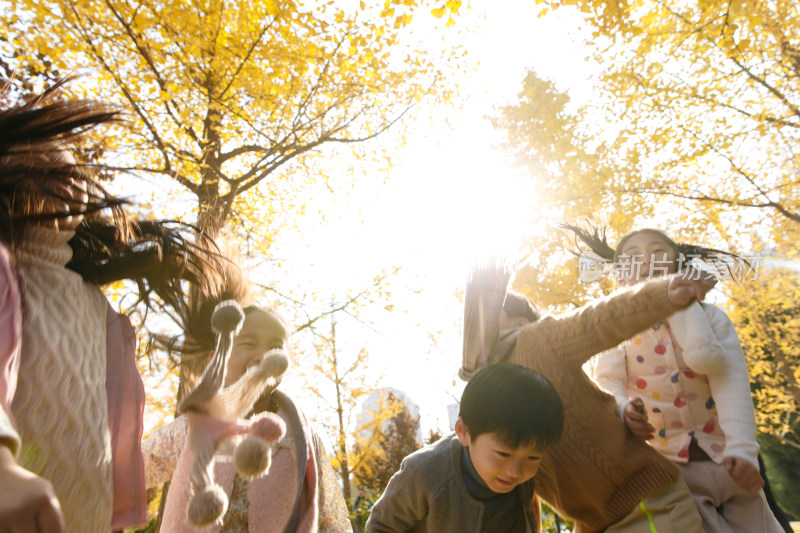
450,196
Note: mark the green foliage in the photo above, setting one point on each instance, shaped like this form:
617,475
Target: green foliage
783,471
150,527
389,440
153,501
552,523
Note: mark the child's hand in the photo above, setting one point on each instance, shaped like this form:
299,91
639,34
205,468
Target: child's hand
689,285
744,473
27,501
636,420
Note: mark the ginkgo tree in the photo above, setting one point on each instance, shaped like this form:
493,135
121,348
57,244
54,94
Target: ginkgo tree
693,125
227,99
224,94
699,100
694,117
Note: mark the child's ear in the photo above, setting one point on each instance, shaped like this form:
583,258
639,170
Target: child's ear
462,432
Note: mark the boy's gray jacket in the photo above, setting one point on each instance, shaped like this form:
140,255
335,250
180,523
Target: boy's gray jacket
428,495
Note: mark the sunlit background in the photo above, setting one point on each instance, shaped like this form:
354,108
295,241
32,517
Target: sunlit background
451,196
437,193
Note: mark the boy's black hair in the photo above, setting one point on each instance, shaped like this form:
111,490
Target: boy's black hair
517,305
518,405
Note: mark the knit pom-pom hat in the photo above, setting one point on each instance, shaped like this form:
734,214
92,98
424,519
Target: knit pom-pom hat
487,285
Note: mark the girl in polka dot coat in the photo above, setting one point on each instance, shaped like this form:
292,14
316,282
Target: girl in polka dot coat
683,386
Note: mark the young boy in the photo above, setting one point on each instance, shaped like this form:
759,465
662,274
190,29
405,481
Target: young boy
480,478
598,474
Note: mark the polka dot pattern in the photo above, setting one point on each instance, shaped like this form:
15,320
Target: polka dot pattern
677,399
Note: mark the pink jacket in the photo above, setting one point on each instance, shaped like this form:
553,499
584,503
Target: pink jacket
124,390
285,499
299,494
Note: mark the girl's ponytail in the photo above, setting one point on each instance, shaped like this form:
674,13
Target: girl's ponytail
591,235
721,263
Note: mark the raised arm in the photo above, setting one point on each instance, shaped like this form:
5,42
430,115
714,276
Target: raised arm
607,322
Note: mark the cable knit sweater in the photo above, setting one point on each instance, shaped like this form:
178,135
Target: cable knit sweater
598,472
60,406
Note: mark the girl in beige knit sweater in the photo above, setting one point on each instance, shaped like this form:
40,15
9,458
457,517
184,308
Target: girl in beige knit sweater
70,396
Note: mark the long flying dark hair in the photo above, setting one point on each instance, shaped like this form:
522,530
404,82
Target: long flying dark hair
108,246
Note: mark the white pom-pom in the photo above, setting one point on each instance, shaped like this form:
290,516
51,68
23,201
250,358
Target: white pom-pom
252,457
275,363
227,318
208,506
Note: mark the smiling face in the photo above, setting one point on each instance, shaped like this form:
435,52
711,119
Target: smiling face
500,466
262,331
645,255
